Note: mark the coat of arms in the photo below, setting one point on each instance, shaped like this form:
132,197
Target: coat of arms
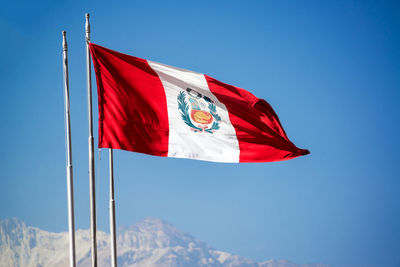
201,115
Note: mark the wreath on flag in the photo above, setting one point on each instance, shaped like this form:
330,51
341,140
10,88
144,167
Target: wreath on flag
183,107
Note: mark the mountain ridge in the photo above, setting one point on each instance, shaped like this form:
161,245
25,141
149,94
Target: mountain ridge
149,242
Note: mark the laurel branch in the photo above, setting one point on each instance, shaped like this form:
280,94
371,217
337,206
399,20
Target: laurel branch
184,109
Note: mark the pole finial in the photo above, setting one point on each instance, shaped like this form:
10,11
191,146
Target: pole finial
64,43
87,27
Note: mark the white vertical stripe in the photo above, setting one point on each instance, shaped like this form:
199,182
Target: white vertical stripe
221,145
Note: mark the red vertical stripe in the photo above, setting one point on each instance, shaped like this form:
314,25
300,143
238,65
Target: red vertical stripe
132,103
260,135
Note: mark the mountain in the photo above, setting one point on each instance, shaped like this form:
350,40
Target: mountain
150,242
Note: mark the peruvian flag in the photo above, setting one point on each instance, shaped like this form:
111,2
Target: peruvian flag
152,108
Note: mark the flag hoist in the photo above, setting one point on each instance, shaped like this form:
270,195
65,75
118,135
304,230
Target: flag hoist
70,181
152,108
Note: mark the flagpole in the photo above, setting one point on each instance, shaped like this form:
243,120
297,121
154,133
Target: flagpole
70,181
91,150
113,235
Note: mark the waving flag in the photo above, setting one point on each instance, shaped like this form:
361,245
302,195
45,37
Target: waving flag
160,110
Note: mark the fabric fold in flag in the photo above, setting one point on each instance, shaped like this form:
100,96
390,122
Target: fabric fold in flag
152,108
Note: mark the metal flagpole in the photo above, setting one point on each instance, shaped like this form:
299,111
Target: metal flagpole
91,150
70,181
112,213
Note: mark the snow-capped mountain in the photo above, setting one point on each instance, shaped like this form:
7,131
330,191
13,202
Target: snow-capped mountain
150,242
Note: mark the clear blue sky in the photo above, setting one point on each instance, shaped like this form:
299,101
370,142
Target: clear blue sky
330,69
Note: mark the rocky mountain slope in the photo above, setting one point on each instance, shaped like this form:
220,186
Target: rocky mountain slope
150,242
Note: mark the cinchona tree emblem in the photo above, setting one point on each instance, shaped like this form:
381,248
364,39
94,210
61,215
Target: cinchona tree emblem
201,115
